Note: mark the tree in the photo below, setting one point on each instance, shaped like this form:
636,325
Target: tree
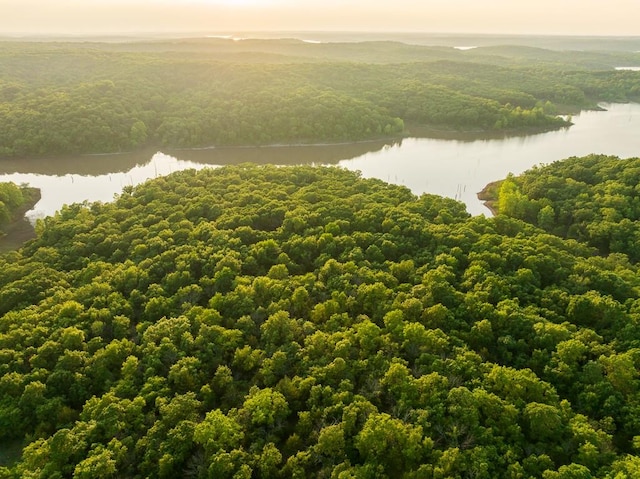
543,422
265,407
138,134
218,433
390,443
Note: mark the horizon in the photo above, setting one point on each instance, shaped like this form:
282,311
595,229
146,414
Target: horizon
589,18
237,35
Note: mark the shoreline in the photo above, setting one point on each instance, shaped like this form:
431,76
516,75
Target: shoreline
411,131
393,139
489,197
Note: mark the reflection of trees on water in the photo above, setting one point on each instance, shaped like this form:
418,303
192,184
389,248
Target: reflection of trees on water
424,132
96,165
282,155
85,165
329,154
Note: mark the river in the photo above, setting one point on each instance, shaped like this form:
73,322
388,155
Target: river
455,166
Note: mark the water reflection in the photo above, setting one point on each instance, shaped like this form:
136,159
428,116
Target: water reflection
460,169
448,164
67,188
108,164
83,165
282,155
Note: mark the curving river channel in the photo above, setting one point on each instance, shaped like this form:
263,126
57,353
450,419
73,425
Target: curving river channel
455,166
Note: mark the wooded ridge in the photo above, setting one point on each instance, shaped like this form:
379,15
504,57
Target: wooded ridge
65,98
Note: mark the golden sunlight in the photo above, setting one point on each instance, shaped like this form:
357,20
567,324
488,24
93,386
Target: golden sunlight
241,3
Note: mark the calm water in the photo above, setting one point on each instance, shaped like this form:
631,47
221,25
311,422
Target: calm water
460,169
456,167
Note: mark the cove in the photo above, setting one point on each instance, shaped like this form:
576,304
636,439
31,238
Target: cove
456,165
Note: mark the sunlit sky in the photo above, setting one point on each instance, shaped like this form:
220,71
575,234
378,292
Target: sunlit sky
579,17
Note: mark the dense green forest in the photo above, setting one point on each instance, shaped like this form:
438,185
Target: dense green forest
304,322
595,200
12,200
63,98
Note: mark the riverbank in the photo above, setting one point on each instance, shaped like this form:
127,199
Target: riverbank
450,133
412,130
450,168
489,196
20,230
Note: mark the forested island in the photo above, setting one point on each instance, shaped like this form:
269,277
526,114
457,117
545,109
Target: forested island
60,98
269,322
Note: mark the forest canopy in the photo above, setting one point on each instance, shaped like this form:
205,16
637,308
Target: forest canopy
14,200
65,98
594,199
306,322
11,199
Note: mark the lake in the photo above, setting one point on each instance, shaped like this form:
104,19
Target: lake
455,165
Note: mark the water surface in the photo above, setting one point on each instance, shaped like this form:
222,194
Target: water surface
461,168
455,166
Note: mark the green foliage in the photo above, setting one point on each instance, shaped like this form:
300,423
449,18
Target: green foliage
593,199
390,443
12,198
511,201
313,324
218,432
92,98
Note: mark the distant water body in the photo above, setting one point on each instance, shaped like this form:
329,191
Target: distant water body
455,166
552,42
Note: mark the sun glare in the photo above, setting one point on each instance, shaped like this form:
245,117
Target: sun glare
241,3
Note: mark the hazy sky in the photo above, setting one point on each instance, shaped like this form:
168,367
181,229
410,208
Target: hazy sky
588,17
